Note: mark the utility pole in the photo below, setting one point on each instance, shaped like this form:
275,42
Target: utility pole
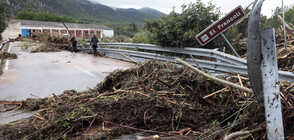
285,32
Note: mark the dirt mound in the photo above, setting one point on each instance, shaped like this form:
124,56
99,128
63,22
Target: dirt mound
154,98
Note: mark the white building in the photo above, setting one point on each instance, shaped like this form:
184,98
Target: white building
25,27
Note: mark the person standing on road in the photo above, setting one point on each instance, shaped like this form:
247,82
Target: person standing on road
94,42
73,41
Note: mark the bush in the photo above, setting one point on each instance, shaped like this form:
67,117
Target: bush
39,16
2,18
121,39
179,30
273,21
141,37
116,39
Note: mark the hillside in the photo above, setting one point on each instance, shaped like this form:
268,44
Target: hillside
84,10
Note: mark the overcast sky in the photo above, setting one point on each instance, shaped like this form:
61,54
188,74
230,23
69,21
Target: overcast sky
166,6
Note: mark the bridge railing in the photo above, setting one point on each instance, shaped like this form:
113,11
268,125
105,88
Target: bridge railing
2,44
217,61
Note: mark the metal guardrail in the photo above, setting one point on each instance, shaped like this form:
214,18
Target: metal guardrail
2,45
212,53
224,63
263,72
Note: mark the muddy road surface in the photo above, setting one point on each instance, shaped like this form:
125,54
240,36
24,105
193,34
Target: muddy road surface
41,74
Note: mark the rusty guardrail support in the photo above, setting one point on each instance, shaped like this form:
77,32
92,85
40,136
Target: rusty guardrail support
263,71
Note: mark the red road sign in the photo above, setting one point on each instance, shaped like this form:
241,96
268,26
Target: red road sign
220,25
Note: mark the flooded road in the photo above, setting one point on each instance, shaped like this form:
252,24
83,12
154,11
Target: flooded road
41,74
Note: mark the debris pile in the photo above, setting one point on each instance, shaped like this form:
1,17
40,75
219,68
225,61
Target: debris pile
285,56
154,98
7,55
52,43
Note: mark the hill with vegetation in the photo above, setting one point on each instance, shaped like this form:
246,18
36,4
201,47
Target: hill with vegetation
83,11
2,22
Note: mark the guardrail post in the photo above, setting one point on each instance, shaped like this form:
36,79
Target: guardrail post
263,72
254,50
274,119
2,44
217,60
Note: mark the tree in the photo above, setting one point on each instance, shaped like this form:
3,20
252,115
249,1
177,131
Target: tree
2,18
133,27
127,31
140,37
289,16
273,21
179,30
30,15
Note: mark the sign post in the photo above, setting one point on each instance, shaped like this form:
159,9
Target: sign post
228,42
220,26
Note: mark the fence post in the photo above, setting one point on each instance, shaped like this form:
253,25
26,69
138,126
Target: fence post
263,72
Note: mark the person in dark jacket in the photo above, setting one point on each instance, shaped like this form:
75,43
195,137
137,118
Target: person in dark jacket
73,41
94,42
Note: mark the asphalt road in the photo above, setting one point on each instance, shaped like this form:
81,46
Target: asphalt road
41,74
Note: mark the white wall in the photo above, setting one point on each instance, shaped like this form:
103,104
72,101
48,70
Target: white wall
12,31
107,33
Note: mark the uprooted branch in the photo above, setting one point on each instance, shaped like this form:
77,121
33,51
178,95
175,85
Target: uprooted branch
214,78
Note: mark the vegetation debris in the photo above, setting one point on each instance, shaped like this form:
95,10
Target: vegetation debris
155,98
51,43
7,55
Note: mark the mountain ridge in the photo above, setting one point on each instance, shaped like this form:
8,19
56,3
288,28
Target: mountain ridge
85,11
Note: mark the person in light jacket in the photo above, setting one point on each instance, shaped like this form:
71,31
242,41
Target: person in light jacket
94,42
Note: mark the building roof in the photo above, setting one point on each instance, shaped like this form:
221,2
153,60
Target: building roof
60,24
